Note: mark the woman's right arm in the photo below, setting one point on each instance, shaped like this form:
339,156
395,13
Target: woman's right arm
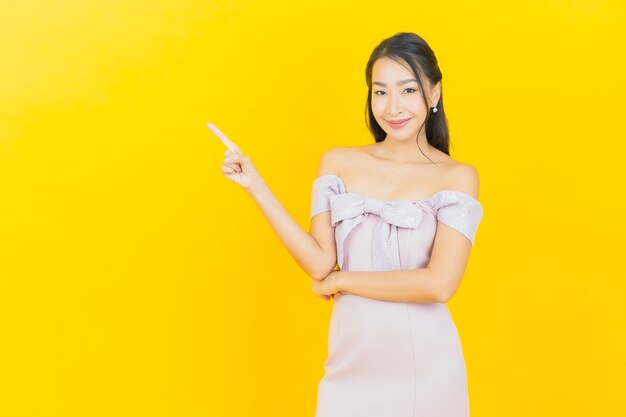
315,259
316,252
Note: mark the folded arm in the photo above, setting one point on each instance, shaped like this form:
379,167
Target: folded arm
412,285
436,283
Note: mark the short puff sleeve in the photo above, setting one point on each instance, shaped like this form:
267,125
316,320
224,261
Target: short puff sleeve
460,211
324,187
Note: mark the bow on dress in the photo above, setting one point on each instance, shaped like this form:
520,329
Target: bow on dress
350,209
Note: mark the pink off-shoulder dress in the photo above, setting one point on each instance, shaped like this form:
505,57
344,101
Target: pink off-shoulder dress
391,359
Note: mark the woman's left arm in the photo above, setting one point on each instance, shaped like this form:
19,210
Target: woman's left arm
435,283
414,285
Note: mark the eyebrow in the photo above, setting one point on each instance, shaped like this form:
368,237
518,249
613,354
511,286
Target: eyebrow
398,83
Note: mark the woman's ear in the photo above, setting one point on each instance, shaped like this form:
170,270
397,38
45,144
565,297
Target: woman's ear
435,93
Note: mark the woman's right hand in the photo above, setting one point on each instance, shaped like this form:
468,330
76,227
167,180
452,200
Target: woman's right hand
335,296
239,168
236,166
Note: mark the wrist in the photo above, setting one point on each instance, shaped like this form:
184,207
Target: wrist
339,281
256,186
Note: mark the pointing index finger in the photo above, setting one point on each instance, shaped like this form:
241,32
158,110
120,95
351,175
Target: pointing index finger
229,144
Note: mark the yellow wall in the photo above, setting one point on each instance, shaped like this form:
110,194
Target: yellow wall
136,281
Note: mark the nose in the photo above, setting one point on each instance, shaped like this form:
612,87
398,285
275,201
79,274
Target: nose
394,105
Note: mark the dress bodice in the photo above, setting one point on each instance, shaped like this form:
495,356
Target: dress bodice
382,235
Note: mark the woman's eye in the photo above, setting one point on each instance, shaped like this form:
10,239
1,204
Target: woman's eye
380,91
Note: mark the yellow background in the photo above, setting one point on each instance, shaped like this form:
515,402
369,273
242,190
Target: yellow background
136,281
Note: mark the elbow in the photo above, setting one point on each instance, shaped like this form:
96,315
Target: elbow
323,267
316,275
323,263
321,274
446,292
444,283
444,295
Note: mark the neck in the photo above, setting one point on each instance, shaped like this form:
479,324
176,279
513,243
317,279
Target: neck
406,150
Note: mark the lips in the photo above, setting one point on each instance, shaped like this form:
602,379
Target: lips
397,122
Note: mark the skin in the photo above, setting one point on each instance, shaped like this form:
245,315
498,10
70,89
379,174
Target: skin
392,169
394,102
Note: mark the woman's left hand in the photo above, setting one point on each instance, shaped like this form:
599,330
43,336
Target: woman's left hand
327,286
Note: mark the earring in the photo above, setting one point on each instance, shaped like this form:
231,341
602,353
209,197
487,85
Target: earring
435,109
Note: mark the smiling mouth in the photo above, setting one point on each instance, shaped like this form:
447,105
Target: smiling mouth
397,122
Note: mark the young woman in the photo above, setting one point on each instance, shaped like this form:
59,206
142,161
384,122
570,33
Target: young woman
398,217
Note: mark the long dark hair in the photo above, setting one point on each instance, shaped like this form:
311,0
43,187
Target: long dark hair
409,48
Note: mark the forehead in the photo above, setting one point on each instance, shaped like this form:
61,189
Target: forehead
387,70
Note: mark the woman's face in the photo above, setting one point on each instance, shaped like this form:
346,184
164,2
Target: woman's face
396,96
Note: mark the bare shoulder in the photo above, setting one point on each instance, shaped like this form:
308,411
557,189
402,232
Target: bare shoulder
334,160
464,177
